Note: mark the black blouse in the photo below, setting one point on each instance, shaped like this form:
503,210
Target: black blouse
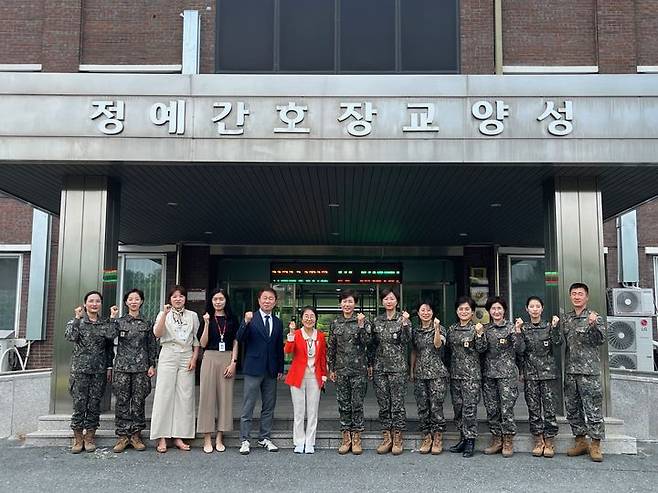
217,326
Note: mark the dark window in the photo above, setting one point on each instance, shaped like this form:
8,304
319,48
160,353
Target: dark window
245,35
306,35
367,35
428,35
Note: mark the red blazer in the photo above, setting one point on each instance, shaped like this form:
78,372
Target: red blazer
300,359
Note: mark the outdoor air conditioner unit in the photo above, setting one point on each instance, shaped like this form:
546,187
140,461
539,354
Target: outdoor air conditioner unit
632,302
630,343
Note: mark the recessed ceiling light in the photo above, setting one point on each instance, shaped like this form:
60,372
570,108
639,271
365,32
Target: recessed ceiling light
463,234
335,234
172,204
495,204
334,204
207,232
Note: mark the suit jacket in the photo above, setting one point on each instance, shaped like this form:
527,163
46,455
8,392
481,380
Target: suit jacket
300,359
263,353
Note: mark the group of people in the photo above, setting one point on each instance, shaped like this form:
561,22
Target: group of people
480,360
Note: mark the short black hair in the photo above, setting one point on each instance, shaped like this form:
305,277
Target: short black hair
133,290
267,289
425,302
346,293
541,302
178,288
579,285
496,299
465,299
388,290
90,293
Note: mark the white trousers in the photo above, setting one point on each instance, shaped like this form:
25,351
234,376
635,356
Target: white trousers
305,401
173,404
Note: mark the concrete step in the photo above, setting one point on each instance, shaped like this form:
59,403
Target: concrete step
614,444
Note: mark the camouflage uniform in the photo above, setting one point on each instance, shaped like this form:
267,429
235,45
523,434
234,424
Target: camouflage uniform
501,386
430,380
583,396
465,375
347,356
540,374
93,350
136,352
389,354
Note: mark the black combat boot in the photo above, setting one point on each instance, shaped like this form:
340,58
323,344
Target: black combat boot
458,447
469,446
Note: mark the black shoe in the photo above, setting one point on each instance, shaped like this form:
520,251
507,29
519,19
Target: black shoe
458,447
469,447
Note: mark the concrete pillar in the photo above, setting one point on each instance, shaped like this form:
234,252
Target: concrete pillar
87,260
573,233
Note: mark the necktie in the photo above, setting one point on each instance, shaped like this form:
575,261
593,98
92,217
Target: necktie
268,329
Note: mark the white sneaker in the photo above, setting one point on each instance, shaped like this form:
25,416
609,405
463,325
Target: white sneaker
299,449
309,449
244,448
267,443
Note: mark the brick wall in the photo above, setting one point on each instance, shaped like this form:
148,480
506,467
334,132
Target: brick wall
646,22
616,36
477,36
60,45
20,31
560,32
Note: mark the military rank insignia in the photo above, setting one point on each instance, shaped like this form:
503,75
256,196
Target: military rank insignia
123,333
466,344
502,340
546,343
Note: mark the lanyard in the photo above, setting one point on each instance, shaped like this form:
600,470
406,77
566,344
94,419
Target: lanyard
220,329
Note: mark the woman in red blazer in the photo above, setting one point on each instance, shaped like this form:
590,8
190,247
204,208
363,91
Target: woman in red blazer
306,377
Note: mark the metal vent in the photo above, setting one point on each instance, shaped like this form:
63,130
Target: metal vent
628,301
623,361
621,335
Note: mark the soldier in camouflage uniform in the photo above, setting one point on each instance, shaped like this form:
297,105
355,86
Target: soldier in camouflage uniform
583,331
540,372
91,367
430,378
466,341
500,387
347,359
134,366
391,333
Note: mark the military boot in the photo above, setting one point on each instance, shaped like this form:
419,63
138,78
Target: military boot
426,444
458,447
549,447
595,451
398,445
508,445
122,443
469,447
78,442
437,443
90,440
580,448
346,444
387,444
136,441
538,447
357,448
495,445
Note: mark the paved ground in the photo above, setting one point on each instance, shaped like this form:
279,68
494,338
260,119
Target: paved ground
54,469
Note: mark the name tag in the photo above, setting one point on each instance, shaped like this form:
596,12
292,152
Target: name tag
503,341
467,344
222,346
123,333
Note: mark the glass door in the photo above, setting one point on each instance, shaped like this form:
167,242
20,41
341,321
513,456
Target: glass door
146,272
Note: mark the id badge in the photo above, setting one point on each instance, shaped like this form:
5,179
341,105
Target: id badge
546,343
222,346
123,333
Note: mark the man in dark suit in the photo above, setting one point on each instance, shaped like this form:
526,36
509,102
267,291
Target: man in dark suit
262,336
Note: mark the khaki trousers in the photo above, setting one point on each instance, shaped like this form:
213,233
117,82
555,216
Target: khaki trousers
215,393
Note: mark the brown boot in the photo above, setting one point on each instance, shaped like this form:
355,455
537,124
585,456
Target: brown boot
549,447
426,444
90,440
78,442
397,443
495,445
508,445
387,444
136,441
357,448
437,443
538,447
580,448
122,443
346,444
595,451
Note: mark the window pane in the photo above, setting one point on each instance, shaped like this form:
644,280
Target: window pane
527,276
8,292
367,35
306,35
429,35
245,35
145,274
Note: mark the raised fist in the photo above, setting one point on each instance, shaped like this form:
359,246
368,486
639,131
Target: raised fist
79,311
437,324
166,309
592,318
248,316
292,326
555,321
479,329
405,318
361,319
206,317
114,311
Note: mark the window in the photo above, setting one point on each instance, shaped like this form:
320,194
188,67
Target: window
655,279
10,293
145,272
337,36
526,278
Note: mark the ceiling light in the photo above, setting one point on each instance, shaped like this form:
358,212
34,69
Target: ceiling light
495,204
334,204
207,232
335,234
463,234
172,204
